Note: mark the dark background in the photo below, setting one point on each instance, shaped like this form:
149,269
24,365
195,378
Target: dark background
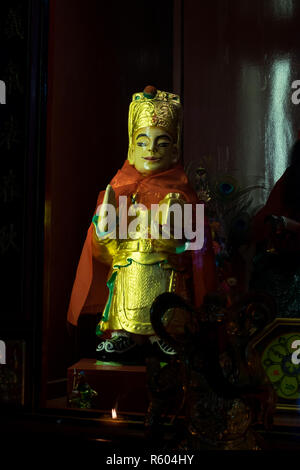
100,53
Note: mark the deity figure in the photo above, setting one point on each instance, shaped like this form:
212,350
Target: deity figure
123,266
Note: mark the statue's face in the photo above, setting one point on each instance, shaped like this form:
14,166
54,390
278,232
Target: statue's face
152,150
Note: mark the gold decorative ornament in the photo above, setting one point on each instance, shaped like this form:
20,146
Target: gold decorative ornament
155,108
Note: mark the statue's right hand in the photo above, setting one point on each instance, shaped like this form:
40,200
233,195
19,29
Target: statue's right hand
109,199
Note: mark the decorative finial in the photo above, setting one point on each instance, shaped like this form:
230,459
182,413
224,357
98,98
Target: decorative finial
150,91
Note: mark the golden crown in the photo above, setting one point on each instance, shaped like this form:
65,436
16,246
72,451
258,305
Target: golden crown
153,107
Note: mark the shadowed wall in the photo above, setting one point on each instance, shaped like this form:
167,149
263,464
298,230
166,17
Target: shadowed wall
100,53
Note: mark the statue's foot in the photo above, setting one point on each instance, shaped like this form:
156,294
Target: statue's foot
120,348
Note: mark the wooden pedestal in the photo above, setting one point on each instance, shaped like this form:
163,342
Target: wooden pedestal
122,387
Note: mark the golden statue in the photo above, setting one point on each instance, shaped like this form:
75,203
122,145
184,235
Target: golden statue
136,262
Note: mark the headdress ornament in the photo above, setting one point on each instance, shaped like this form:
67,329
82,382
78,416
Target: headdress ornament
153,107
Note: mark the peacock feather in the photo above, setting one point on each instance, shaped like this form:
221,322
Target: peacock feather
228,205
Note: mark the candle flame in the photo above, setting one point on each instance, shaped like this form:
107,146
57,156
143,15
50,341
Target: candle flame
114,413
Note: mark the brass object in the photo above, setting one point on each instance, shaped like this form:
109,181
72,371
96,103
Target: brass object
273,343
226,388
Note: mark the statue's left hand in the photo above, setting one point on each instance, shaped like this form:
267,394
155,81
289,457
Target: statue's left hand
166,213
